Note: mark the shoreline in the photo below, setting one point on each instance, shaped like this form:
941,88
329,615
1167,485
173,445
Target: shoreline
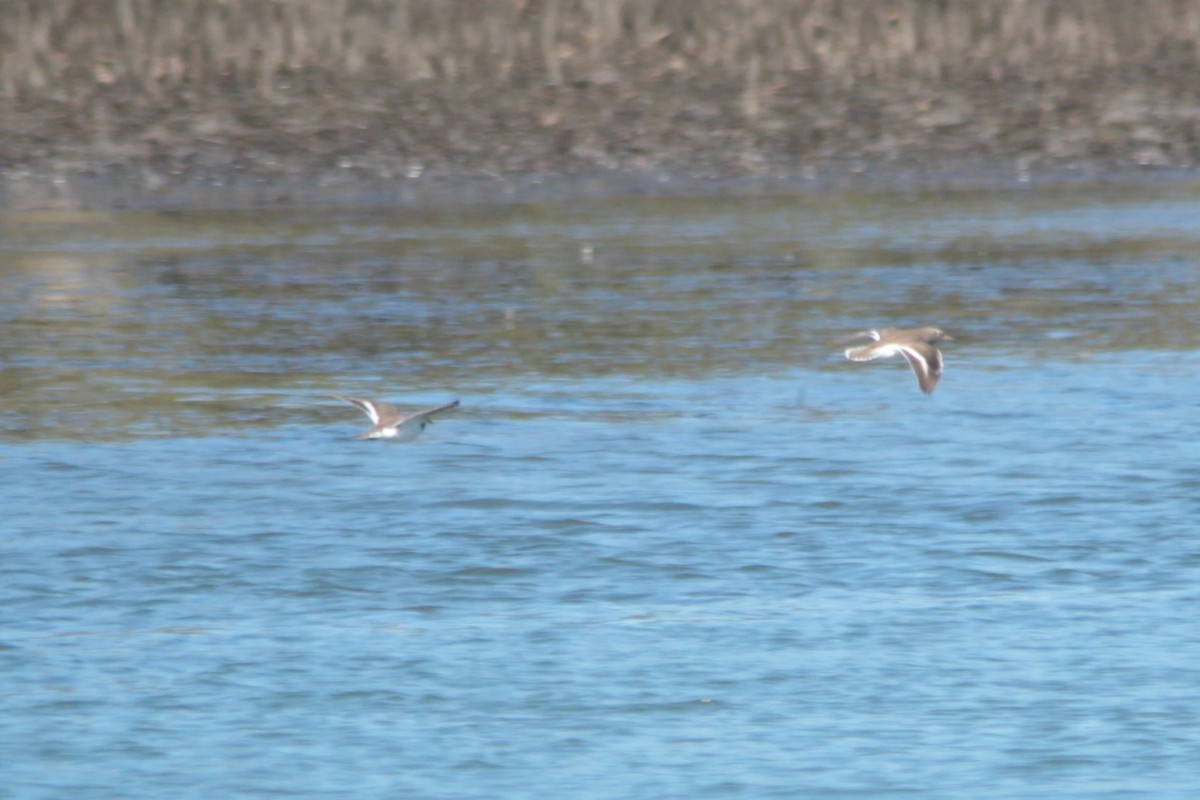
71,186
119,103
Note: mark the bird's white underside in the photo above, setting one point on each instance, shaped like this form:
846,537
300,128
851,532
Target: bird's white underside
404,432
870,352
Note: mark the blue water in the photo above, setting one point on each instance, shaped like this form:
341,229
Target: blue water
682,569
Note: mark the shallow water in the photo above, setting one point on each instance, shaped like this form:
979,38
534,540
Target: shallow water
671,546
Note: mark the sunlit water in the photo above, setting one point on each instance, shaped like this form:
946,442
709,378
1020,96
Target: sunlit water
671,546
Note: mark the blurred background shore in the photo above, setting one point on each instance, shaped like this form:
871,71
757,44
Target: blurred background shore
158,93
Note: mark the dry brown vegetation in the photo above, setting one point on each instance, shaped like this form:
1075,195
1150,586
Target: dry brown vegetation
527,85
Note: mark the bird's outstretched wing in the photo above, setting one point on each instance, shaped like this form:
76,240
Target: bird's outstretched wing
426,416
374,409
926,363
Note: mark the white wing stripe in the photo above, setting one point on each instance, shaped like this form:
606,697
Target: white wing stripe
372,412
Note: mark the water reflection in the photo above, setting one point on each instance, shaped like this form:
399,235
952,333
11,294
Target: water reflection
156,322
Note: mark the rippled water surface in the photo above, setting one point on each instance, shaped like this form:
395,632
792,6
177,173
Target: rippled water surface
671,546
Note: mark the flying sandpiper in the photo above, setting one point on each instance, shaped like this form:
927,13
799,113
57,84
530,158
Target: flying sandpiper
915,344
390,422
